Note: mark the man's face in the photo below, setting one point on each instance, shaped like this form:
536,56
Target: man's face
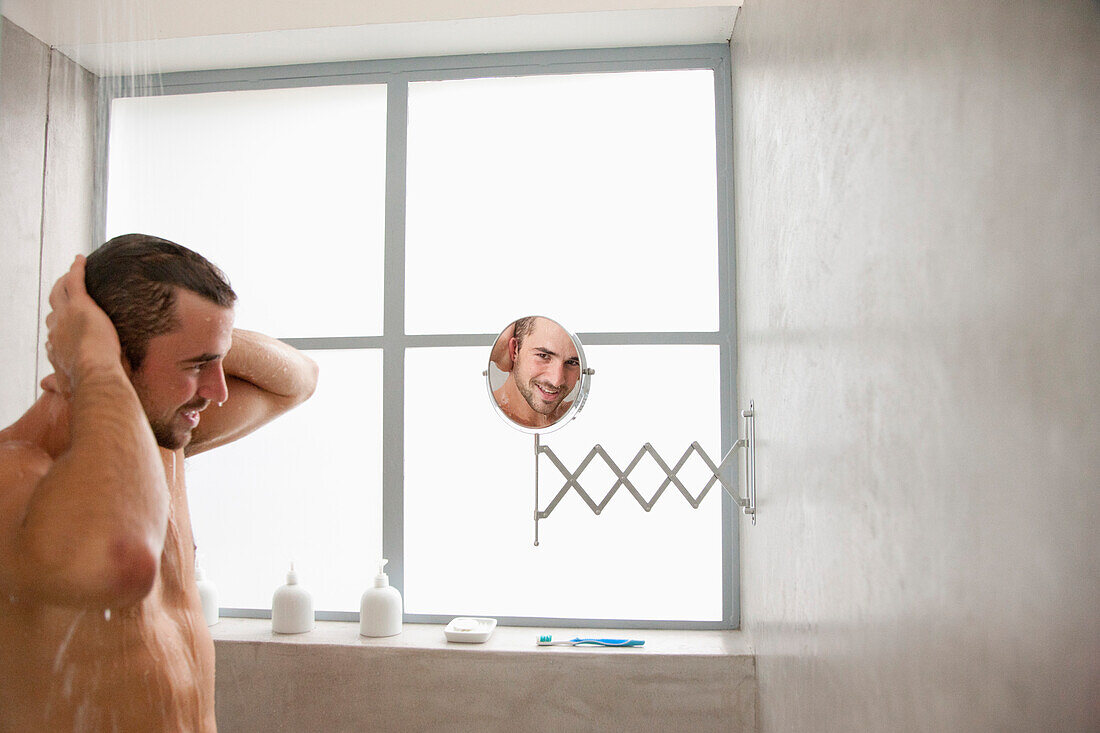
182,371
545,366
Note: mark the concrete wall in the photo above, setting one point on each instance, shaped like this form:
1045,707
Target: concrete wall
918,223
24,80
47,153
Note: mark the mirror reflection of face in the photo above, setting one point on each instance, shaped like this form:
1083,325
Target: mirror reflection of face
544,370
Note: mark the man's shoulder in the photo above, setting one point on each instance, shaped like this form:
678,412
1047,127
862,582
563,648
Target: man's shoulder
23,442
22,466
22,460
16,446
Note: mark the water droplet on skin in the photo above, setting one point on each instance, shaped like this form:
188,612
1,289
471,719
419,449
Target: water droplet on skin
106,614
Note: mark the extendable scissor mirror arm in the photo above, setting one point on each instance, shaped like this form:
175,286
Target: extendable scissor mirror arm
748,442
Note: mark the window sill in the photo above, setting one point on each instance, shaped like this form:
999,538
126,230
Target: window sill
331,678
503,639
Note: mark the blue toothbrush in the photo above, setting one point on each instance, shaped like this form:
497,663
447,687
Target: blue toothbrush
547,640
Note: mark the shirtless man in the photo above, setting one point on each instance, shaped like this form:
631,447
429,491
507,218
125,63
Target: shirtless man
543,367
101,627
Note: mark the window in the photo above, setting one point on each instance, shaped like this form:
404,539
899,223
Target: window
390,218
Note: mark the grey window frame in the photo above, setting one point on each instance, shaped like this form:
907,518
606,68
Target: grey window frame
396,74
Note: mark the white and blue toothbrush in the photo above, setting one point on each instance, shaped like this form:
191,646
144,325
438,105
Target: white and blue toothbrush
547,640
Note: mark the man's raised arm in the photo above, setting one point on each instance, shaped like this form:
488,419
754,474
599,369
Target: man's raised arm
86,526
265,378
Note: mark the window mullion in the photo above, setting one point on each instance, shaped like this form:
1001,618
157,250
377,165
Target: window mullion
393,359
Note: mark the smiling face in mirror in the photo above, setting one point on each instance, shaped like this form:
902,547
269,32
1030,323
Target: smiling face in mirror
543,367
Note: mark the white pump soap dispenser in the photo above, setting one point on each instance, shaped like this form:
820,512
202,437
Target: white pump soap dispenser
380,612
291,607
208,594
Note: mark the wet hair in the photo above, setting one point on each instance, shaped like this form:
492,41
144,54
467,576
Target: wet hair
523,328
134,278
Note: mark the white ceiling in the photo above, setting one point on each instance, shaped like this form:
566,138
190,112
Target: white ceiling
140,36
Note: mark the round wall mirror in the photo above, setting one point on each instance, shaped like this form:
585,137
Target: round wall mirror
537,377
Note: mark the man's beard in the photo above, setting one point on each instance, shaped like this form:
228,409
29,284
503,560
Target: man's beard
162,429
530,393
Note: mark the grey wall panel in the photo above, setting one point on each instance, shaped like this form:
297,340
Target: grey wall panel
68,199
918,279
24,79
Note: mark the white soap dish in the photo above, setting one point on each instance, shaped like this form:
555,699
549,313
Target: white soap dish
470,630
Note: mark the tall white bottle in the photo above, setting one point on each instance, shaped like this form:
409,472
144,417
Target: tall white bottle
291,607
208,594
380,611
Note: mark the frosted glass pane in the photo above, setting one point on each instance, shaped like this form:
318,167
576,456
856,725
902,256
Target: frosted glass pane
305,488
284,189
469,494
589,198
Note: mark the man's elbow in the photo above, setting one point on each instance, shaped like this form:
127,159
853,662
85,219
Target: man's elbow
120,574
132,568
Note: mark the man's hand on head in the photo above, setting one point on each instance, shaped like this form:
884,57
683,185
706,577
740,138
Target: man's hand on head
80,336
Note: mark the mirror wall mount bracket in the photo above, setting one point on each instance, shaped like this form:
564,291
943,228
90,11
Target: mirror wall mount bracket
748,504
